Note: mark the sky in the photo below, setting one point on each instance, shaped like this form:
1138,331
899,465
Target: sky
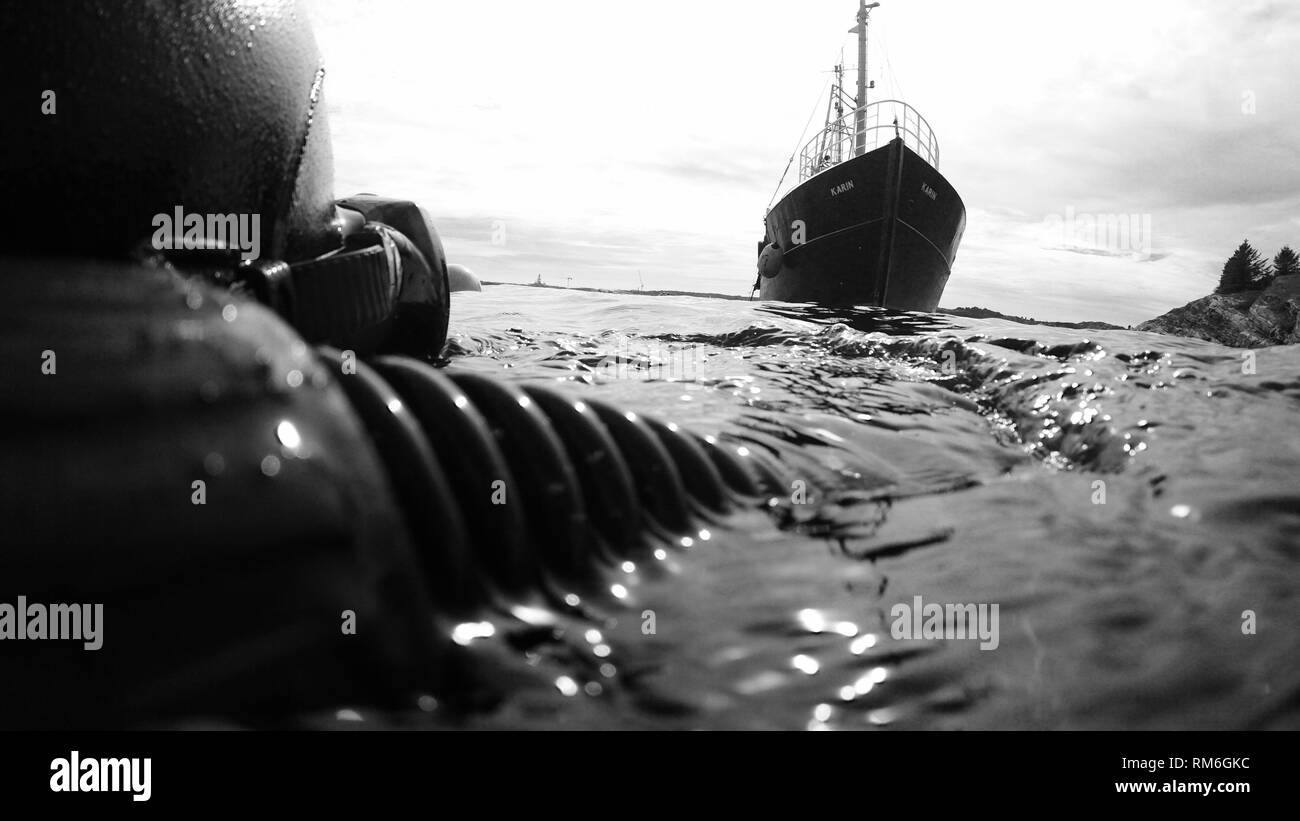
621,145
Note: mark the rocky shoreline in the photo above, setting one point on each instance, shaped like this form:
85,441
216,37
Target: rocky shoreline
1247,319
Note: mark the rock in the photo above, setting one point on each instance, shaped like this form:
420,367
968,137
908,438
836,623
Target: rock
1250,319
1278,310
1216,318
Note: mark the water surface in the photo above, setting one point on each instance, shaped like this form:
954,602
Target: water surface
1124,498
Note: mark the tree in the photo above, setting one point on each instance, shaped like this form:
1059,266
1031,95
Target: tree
1286,263
1242,270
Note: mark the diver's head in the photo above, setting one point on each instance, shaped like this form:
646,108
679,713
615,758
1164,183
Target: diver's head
187,132
125,112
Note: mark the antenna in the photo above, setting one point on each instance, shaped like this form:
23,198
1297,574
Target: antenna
860,120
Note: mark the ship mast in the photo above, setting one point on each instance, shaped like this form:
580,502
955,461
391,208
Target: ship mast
860,114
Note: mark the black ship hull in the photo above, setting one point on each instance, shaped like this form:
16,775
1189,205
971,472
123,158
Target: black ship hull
878,229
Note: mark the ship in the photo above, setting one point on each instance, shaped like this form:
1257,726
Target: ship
871,220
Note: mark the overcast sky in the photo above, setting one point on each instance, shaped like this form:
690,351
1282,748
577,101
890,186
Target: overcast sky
616,142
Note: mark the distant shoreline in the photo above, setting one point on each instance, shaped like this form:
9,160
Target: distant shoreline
987,313
621,292
968,313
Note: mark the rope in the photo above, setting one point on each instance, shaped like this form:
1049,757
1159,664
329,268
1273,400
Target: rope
799,145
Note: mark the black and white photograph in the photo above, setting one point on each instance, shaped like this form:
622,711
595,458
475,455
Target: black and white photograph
377,367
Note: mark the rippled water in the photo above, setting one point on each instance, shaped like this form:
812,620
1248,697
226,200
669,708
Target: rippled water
1122,497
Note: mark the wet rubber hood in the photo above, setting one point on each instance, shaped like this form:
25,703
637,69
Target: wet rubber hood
211,105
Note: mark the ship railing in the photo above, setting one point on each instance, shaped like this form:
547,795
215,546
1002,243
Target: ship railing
884,121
